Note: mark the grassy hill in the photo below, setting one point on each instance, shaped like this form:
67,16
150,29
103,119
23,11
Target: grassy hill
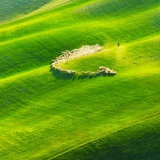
10,10
43,116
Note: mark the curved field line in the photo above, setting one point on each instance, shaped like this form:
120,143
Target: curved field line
110,24
33,72
128,125
46,68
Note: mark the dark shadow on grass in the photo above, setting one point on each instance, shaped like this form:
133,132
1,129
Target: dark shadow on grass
77,75
62,75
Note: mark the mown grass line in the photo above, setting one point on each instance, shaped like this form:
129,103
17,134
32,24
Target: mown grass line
134,142
114,130
122,21
107,50
38,115
31,73
101,33
53,13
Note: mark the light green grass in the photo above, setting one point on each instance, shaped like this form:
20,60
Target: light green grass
42,116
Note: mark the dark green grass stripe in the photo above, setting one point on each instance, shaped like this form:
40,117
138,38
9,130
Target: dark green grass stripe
114,145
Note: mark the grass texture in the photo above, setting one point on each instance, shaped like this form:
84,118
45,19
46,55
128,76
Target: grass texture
43,116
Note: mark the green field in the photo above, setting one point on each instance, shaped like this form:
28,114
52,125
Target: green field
45,116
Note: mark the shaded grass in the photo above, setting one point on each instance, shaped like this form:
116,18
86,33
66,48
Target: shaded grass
44,44
61,117
12,9
68,114
136,142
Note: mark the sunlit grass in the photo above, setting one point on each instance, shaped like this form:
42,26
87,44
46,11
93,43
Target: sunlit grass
43,116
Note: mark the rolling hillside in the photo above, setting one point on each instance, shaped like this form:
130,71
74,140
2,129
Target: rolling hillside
43,116
10,10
